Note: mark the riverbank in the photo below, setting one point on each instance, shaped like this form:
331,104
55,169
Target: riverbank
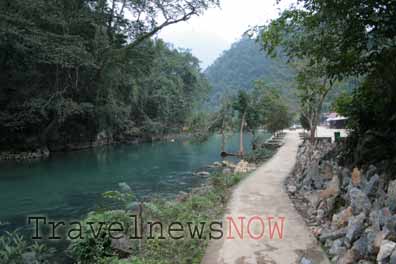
101,140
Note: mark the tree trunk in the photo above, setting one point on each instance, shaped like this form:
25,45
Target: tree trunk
241,149
222,137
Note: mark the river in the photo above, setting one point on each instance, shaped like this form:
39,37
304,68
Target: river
69,185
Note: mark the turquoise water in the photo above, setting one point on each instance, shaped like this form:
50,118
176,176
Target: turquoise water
68,185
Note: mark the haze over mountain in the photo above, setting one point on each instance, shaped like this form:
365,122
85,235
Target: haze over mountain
244,63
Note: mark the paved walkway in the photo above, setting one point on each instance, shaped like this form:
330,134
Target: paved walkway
262,194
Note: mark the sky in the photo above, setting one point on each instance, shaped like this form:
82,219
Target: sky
208,35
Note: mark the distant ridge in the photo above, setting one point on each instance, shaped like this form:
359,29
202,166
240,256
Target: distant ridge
243,64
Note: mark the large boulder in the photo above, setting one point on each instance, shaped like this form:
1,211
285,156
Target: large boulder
386,250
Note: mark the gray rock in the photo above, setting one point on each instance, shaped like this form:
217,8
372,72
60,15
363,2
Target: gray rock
371,187
304,260
371,171
202,173
371,236
391,199
393,257
124,187
292,189
360,246
122,245
333,234
376,219
313,198
346,177
359,201
386,250
338,248
355,227
227,171
320,214
390,223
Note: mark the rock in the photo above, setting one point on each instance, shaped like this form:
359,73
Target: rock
393,257
372,185
124,187
320,214
292,189
356,177
227,171
202,173
390,227
360,246
228,164
243,167
217,164
359,201
371,235
314,175
391,197
355,227
386,250
333,234
379,237
332,190
313,198
349,257
123,245
377,218
330,203
346,177
182,197
371,171
327,171
341,219
337,248
304,260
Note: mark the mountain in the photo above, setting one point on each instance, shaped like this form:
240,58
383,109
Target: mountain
244,63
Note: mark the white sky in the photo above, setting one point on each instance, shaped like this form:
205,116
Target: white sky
214,31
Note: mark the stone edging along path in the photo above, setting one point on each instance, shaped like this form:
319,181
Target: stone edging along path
263,194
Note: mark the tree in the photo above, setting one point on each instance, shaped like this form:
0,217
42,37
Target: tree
73,69
223,121
313,86
241,105
350,39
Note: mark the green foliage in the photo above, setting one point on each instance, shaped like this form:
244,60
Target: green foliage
71,70
14,249
260,155
350,41
243,64
204,204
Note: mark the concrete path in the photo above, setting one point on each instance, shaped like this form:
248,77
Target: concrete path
262,194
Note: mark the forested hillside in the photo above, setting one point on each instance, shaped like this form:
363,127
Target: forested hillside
243,64
79,73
